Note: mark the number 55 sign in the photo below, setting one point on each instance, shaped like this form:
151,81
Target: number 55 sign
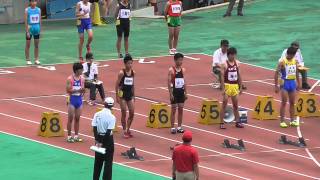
159,116
50,125
210,112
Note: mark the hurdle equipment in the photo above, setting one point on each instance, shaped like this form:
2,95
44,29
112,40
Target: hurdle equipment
159,116
307,105
240,146
210,112
300,143
265,109
50,125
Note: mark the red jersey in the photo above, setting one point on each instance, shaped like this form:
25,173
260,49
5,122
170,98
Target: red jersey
184,157
231,73
175,8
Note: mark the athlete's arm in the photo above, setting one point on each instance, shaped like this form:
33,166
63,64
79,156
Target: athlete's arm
120,75
239,76
222,76
169,82
185,83
116,14
78,12
26,20
69,87
166,11
133,87
297,77
276,76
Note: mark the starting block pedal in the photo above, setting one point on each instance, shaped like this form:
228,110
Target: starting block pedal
300,143
132,154
240,146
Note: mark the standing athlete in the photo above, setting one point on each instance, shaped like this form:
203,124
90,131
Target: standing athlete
32,21
178,91
122,16
289,84
75,89
125,94
83,10
172,14
230,83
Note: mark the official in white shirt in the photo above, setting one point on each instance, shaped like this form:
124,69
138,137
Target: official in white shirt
219,57
103,123
90,71
300,61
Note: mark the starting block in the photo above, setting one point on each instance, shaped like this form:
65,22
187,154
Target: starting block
50,125
116,129
240,146
132,154
307,105
265,109
159,116
210,112
300,143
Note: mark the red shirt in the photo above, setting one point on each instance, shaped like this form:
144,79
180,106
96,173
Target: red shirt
184,157
175,8
231,73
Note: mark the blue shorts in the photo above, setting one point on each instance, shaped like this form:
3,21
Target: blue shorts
34,29
76,101
85,25
289,85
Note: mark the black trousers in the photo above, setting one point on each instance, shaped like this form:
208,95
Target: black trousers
93,87
104,160
304,76
231,4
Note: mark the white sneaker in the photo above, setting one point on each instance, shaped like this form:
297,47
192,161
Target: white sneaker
174,51
37,62
29,62
171,51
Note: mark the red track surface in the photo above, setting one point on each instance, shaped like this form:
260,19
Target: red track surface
265,158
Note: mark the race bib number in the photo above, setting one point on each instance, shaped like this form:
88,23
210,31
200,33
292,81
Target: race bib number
291,71
232,76
34,19
128,81
176,8
125,13
179,83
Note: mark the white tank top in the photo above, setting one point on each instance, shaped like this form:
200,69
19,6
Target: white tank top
85,8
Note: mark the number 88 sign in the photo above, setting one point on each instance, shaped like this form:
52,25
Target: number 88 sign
307,105
50,125
159,116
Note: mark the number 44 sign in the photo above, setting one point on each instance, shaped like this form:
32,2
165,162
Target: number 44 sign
50,125
264,109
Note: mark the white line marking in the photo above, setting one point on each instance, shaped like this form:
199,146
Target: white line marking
141,61
166,157
49,68
2,71
192,58
105,65
77,152
199,147
314,85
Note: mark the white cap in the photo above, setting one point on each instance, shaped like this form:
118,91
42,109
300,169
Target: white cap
109,101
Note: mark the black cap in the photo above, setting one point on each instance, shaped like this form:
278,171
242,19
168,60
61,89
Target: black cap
295,43
89,56
224,42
